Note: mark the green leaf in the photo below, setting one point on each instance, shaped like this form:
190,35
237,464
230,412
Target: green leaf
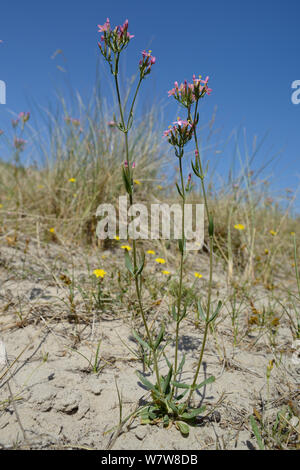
167,380
172,406
216,312
193,413
159,338
182,395
179,190
166,420
256,433
141,267
181,245
181,364
126,180
195,169
167,360
128,263
180,385
140,340
145,382
184,313
210,380
183,428
200,310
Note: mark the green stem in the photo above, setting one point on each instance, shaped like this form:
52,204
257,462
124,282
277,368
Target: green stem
138,291
181,273
198,159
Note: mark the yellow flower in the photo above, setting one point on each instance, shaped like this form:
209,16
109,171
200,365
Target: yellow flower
117,238
1,205
151,252
239,227
293,233
72,180
160,260
137,181
198,275
103,256
99,272
52,230
126,247
272,232
160,187
266,251
166,272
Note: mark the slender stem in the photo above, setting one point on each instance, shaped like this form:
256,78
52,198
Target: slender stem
138,291
198,159
181,272
133,101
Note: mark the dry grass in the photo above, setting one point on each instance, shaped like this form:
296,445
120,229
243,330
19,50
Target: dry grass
256,267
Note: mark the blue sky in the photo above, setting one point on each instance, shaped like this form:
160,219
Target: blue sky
250,50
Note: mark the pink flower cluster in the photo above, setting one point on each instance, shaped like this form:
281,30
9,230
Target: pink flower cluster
116,38
180,133
188,93
146,63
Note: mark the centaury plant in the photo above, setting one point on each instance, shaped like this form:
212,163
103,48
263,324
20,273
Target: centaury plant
167,404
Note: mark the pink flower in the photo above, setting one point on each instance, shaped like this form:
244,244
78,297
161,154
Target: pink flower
122,31
105,27
146,63
188,93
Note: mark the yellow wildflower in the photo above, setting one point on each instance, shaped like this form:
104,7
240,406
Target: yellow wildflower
266,251
151,252
1,205
72,180
166,272
99,272
117,238
293,233
160,187
239,227
137,182
52,230
126,247
272,232
160,260
198,275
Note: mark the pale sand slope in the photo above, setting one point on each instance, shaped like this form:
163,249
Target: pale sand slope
59,403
